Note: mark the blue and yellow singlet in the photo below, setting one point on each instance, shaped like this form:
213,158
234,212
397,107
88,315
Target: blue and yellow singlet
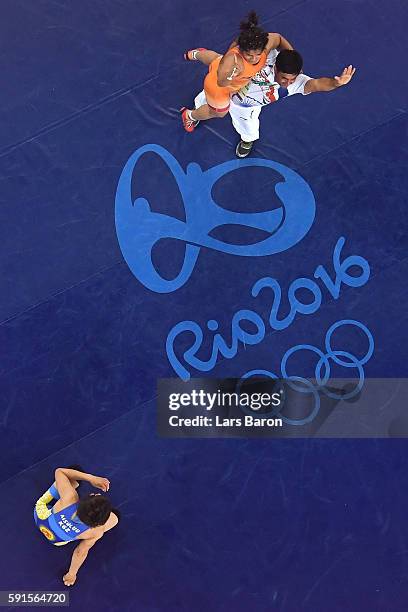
60,527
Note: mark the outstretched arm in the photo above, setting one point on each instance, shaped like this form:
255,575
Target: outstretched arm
78,557
328,84
81,551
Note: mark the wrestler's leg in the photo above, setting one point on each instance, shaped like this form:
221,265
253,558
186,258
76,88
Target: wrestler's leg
200,100
192,118
245,121
217,101
207,112
216,106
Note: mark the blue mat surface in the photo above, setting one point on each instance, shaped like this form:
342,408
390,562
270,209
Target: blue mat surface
228,525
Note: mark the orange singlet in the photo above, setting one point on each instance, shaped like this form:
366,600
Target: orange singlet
218,98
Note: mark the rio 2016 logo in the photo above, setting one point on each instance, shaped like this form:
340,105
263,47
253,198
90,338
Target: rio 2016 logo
139,228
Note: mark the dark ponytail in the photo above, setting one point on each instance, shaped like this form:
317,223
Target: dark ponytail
251,22
252,37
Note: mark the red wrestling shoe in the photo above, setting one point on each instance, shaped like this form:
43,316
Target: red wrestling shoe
189,124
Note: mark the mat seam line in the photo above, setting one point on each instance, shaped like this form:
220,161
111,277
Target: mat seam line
106,100
363,133
66,120
60,292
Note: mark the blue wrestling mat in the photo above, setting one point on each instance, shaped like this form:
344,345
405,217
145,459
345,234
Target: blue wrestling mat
133,251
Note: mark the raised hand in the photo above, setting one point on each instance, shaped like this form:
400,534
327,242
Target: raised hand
345,76
100,483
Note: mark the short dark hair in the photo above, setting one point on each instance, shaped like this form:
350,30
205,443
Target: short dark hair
289,61
94,510
252,37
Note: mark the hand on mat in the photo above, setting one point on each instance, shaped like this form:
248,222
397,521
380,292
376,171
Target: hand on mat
345,76
100,483
69,579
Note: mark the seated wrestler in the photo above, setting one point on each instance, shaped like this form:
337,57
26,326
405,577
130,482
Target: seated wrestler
230,72
63,517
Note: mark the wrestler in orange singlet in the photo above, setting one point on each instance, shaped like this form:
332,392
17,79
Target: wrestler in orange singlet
230,72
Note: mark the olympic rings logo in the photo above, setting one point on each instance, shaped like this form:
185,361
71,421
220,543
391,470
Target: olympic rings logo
322,371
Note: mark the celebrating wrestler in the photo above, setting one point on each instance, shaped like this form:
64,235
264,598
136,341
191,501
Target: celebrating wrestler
229,73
